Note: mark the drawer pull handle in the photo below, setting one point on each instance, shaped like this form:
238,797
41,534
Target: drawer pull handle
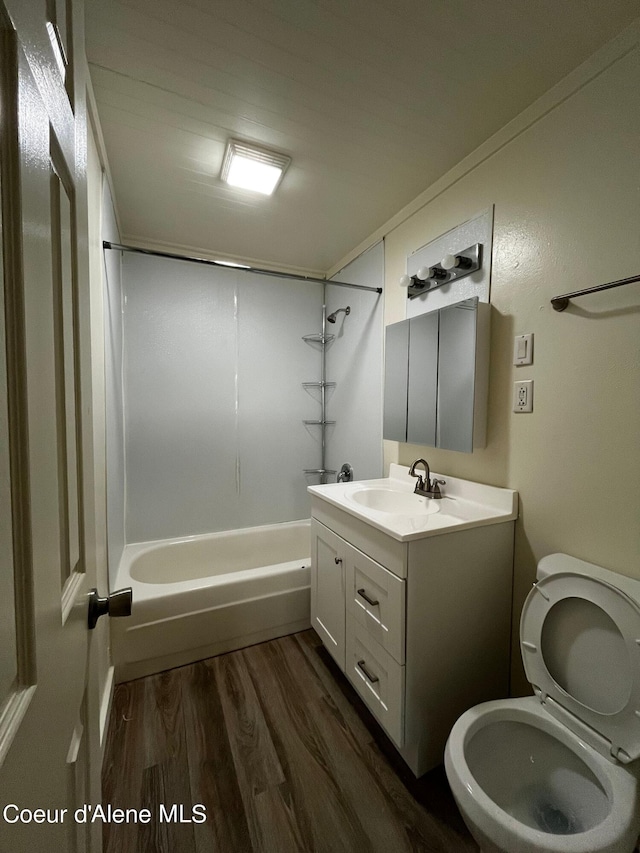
372,678
337,560
364,595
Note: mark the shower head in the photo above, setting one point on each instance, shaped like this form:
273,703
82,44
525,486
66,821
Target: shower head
332,317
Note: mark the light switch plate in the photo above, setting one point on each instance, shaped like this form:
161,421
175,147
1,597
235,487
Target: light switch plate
523,396
523,349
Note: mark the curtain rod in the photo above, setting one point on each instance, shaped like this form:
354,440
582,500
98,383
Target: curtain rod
561,302
106,244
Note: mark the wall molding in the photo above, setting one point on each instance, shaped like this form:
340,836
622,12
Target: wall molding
98,137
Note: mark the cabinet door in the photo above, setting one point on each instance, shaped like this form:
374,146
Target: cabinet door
456,375
423,379
328,589
396,366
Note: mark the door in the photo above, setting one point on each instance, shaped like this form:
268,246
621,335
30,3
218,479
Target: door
328,589
45,747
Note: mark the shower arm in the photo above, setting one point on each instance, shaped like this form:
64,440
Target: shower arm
332,317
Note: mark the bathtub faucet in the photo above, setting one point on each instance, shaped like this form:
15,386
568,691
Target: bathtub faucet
346,474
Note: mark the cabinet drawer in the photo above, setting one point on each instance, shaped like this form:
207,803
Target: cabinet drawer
376,597
378,678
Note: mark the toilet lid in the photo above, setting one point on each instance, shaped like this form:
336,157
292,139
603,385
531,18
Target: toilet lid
580,641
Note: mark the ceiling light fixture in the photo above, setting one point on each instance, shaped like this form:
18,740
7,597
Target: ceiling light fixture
252,168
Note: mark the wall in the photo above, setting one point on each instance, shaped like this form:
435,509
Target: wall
354,363
564,181
213,371
112,270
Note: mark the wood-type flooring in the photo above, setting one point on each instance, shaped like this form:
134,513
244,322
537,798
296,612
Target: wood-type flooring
277,746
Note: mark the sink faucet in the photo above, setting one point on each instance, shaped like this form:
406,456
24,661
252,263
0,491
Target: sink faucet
426,487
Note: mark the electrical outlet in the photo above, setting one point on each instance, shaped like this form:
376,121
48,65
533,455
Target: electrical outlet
523,396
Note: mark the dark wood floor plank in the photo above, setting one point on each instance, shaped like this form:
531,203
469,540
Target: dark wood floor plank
332,680
281,751
357,785
163,717
211,766
279,830
256,762
167,784
327,820
425,807
123,764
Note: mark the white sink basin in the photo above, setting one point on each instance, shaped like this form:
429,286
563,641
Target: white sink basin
394,502
391,505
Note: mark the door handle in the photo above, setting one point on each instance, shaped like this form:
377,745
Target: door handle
117,604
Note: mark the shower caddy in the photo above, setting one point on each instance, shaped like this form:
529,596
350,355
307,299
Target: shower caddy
323,339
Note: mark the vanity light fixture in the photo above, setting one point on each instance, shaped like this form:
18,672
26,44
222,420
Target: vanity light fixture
451,268
250,167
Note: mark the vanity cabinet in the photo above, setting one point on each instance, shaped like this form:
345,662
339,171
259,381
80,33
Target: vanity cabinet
420,628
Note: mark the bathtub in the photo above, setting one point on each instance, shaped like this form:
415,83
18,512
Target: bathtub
204,595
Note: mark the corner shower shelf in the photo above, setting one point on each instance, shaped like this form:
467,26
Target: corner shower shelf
318,338
323,339
318,384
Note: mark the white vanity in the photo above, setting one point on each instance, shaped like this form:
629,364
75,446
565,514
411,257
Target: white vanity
412,598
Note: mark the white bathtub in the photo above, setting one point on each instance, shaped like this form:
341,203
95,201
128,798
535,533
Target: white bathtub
204,595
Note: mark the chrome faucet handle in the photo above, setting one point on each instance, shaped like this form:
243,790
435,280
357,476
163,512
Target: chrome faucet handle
435,486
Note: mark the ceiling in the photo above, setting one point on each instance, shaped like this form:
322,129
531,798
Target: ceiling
372,99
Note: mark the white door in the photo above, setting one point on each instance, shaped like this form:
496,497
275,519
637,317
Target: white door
45,748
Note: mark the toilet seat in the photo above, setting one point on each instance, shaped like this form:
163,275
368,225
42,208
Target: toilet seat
580,641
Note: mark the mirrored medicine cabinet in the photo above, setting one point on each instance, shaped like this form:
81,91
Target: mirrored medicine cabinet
436,377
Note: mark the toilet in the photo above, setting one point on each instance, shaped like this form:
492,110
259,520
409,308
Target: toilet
559,771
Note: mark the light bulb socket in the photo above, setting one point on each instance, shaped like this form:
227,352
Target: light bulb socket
451,269
438,274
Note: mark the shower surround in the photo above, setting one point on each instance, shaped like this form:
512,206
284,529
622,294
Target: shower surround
213,398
